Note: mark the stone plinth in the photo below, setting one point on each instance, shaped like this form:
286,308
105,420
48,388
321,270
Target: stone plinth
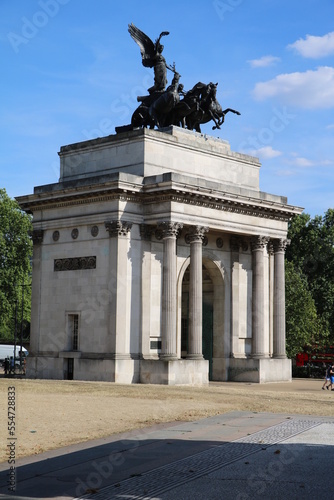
260,370
178,372
146,153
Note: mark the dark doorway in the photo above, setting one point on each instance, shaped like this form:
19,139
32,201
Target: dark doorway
207,322
207,333
70,368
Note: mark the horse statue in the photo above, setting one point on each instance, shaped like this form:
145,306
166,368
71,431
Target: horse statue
188,105
207,109
156,109
161,108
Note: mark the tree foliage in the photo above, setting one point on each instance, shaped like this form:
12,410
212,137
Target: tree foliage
15,265
311,253
302,323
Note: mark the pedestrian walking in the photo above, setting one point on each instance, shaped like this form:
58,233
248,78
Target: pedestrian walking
6,366
332,376
327,377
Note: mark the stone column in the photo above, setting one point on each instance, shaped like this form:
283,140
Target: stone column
169,291
37,238
236,243
258,327
279,299
118,287
146,292
271,295
195,238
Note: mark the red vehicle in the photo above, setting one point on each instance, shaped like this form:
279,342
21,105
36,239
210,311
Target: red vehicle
315,355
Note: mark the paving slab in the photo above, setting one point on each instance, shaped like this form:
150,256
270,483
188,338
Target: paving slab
237,455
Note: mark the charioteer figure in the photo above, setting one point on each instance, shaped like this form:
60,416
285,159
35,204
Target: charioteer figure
152,57
162,106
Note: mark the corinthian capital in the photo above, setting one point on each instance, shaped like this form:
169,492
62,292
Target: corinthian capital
118,227
196,233
37,236
280,244
170,229
259,242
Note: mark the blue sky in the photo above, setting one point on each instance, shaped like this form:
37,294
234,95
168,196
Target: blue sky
71,72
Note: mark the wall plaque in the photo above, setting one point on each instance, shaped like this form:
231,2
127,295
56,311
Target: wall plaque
74,264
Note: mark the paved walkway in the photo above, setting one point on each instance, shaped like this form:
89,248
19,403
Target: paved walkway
238,455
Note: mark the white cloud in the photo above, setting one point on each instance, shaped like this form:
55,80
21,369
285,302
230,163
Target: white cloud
303,162
265,153
310,89
300,161
314,47
263,62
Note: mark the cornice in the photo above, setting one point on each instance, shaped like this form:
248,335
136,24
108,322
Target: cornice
169,192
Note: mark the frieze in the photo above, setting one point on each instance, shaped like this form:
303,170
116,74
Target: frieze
55,235
232,206
94,231
201,200
75,263
219,242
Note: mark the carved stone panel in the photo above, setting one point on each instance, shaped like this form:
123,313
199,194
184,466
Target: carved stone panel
75,263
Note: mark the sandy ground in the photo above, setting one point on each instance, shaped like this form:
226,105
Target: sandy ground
51,414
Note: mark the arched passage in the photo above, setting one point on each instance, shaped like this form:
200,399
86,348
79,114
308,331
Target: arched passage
214,341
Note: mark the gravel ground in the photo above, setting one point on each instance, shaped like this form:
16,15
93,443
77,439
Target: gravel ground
50,414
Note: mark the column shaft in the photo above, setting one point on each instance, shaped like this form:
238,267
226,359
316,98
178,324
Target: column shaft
279,300
195,237
169,291
258,325
35,338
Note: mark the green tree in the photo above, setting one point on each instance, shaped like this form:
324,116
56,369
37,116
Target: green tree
302,324
15,265
312,253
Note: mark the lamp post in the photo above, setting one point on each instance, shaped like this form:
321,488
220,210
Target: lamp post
21,328
21,339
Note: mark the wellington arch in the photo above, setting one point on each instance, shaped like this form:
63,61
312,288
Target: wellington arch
158,259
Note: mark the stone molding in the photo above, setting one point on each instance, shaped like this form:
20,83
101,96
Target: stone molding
118,228
218,201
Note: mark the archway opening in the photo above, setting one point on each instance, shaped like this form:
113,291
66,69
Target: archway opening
207,316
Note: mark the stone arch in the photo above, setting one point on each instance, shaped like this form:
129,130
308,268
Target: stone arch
220,341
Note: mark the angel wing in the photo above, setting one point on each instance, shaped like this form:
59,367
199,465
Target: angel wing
147,47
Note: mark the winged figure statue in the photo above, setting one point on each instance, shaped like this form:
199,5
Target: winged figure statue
151,53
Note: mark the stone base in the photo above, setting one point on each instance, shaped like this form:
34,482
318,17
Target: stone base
178,372
122,371
260,370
